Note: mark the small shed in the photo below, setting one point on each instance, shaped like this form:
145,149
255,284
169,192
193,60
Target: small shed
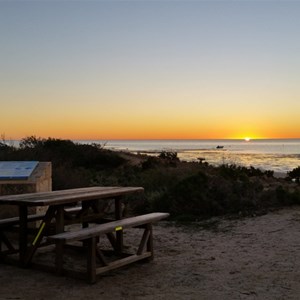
20,177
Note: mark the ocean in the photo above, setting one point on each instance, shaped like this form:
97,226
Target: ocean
278,155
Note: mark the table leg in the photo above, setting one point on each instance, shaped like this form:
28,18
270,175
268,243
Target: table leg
85,208
23,234
91,260
118,208
59,246
119,233
50,214
59,218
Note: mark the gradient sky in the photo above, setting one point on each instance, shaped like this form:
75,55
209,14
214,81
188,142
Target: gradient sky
150,69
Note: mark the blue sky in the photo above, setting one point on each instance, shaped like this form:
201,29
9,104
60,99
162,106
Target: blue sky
150,69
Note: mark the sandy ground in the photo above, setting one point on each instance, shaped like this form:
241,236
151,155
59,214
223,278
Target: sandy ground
251,258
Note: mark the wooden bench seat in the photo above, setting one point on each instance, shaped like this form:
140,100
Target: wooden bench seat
91,237
8,222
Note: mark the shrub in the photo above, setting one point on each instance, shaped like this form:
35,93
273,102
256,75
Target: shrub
295,174
170,155
189,191
73,164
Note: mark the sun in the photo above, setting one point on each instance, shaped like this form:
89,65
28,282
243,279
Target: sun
247,139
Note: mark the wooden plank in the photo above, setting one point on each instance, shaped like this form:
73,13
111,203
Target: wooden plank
150,242
7,243
59,217
86,233
50,214
42,195
84,219
119,233
59,252
73,210
91,260
91,234
122,262
101,257
96,195
144,240
112,239
22,233
68,196
16,220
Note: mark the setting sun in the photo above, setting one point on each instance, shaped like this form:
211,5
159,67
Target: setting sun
247,139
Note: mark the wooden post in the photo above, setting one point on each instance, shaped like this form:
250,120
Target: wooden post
50,214
144,241
59,254
85,208
59,224
150,241
119,233
23,213
91,260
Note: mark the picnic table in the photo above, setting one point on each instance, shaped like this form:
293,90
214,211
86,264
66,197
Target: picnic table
57,202
58,209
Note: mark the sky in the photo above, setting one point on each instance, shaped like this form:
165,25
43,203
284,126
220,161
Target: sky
150,69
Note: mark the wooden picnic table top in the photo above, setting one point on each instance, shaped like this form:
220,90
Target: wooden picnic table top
68,196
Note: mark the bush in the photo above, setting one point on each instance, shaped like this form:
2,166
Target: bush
295,174
189,191
170,155
73,165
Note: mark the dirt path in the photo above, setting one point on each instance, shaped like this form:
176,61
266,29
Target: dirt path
253,258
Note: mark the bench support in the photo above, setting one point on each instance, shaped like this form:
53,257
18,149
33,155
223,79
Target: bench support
96,261
91,259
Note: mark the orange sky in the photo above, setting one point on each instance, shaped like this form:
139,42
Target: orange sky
151,70
135,128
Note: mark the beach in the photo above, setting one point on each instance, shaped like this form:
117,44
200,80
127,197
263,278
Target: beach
222,258
278,155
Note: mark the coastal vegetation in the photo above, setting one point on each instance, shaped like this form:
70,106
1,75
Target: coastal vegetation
188,190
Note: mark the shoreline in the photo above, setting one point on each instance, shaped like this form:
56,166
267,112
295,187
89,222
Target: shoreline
220,157
279,155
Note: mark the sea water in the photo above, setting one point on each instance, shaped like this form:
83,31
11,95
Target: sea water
278,155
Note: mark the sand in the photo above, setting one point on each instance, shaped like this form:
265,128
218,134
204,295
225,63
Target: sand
248,258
